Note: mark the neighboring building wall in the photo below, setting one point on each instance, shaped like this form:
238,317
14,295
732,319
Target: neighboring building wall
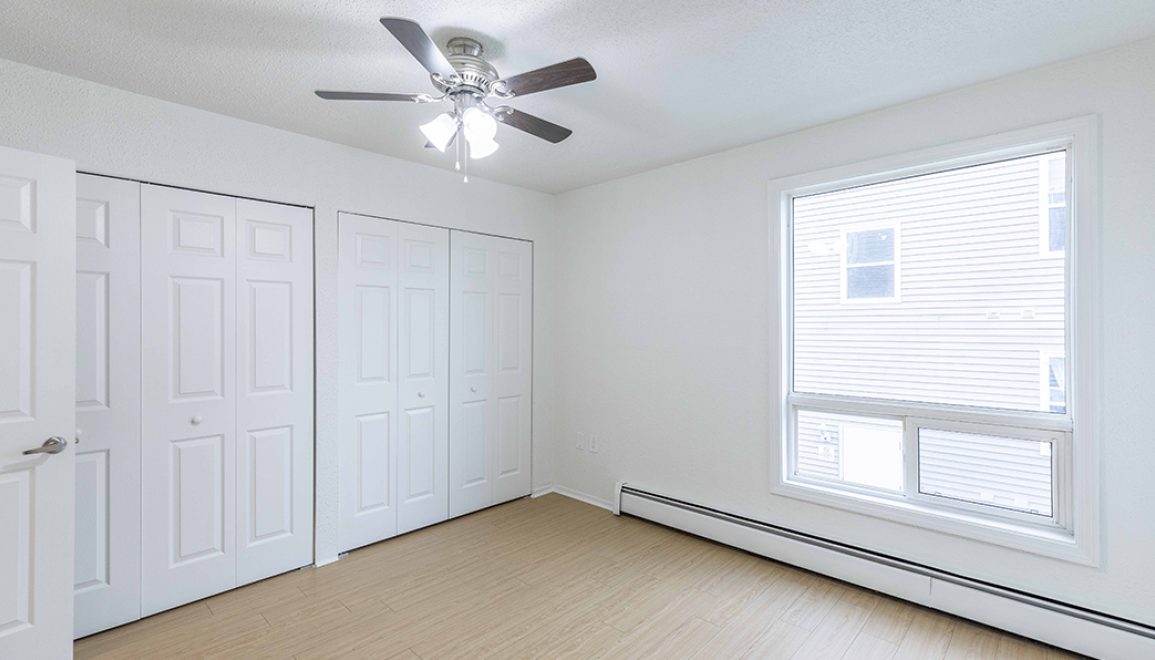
976,313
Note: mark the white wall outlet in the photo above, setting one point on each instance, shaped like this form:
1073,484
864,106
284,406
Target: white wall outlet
581,441
593,444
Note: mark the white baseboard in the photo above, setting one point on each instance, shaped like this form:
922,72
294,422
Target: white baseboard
582,497
1075,629
538,491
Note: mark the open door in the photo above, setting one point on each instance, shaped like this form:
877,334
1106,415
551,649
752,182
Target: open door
37,403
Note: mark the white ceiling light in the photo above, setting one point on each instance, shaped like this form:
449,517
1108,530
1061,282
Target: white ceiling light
481,148
440,131
479,127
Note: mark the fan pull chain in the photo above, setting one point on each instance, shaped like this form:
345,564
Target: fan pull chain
457,150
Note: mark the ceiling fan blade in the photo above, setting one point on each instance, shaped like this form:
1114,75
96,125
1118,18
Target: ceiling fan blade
570,72
419,45
535,126
371,96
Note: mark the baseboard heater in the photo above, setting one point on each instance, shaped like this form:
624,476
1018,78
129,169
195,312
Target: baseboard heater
1065,626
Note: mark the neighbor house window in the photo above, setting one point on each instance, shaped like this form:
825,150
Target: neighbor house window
870,264
932,401
1053,205
1053,386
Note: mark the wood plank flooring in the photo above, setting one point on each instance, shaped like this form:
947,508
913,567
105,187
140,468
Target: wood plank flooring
556,579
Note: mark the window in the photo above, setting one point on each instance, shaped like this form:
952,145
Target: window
870,264
1053,205
944,400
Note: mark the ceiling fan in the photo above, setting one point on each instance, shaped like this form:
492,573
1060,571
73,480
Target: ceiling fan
466,80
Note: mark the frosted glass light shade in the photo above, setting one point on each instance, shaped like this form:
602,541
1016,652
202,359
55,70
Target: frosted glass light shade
481,148
440,131
479,125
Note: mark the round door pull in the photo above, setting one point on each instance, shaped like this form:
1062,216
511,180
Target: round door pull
421,395
197,419
473,389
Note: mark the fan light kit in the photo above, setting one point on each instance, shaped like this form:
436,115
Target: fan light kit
465,79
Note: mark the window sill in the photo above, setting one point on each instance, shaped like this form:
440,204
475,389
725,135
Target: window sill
1051,542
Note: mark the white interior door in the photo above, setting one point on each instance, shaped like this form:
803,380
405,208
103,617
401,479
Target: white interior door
423,377
275,389
491,298
107,559
37,402
367,310
188,370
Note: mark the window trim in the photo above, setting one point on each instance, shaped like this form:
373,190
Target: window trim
895,263
1077,538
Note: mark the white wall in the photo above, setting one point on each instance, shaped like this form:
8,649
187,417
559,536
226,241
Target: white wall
109,131
663,336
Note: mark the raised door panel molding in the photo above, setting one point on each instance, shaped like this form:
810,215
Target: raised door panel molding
92,340
270,500
198,337
374,467
92,222
270,337
93,523
374,325
17,290
16,204
16,551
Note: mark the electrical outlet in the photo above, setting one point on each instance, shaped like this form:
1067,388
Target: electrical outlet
593,444
581,441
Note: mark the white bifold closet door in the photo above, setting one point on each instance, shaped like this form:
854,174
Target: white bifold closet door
490,371
394,389
107,556
227,393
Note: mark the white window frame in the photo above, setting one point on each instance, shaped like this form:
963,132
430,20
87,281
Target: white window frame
1073,533
1045,250
896,264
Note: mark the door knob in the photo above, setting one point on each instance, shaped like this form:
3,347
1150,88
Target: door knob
197,419
473,389
53,445
421,395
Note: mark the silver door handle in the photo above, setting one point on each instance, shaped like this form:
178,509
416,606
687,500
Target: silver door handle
53,445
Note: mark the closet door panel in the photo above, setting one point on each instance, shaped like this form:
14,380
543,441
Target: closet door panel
107,555
513,373
423,383
472,418
188,370
490,370
274,384
368,426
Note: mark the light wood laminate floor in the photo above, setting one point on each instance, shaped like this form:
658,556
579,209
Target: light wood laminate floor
553,578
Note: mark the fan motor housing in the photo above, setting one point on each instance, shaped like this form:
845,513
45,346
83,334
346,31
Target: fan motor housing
476,75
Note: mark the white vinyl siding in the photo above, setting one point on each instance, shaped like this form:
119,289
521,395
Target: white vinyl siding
963,310
1010,473
977,301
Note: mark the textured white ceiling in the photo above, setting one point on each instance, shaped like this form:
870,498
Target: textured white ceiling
677,78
